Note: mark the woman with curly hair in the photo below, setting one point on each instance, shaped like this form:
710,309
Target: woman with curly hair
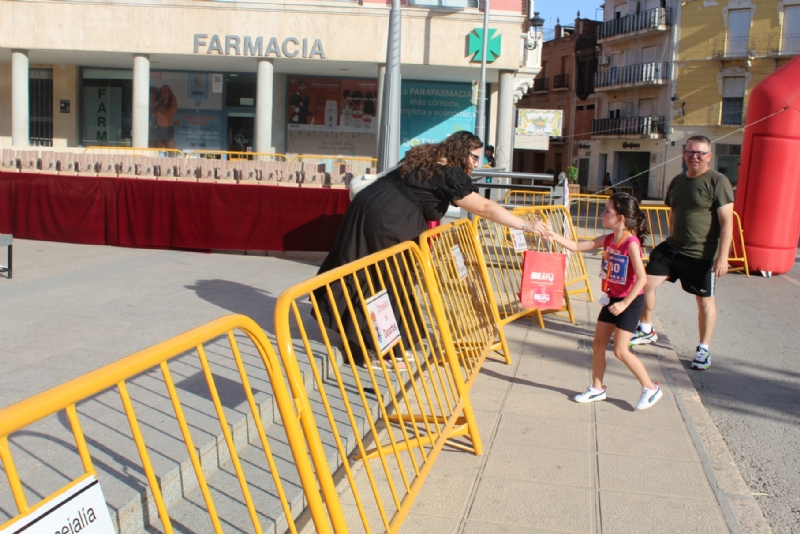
397,207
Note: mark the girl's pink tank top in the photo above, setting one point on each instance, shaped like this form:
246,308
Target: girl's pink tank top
622,278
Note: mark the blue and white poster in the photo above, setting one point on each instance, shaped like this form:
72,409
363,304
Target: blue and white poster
431,111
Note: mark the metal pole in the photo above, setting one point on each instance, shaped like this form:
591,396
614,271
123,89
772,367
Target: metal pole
389,128
480,120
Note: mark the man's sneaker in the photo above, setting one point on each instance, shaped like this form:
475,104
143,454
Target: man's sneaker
702,360
640,338
649,397
591,395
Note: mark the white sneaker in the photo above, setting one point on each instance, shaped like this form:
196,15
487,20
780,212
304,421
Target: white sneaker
591,395
649,397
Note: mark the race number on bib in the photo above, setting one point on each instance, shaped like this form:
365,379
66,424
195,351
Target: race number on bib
619,268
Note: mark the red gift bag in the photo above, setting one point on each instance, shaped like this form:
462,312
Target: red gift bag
543,280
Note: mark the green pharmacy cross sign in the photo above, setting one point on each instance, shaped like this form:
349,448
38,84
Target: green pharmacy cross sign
476,40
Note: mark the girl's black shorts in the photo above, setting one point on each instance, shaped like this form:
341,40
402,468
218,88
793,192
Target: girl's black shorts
627,320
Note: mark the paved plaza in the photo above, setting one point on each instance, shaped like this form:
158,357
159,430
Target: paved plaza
549,465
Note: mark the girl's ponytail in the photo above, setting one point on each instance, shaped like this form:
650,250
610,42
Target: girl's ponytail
642,229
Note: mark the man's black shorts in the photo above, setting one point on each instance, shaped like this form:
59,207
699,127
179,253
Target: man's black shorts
627,320
696,276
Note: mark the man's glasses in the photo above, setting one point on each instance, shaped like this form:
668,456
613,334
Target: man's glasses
474,157
694,153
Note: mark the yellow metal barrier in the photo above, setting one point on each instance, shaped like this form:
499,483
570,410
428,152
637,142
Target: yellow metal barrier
357,165
135,151
658,223
505,264
527,198
738,233
121,374
607,190
586,211
457,261
230,155
407,415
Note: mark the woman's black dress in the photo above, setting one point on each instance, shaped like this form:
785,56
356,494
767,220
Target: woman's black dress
385,213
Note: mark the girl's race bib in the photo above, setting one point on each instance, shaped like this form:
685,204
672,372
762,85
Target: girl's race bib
619,268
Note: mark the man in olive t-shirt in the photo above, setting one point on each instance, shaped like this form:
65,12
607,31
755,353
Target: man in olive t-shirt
696,251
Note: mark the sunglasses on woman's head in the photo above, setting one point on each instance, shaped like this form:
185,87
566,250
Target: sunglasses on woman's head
474,157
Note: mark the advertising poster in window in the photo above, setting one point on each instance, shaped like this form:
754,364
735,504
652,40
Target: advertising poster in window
185,111
331,116
430,111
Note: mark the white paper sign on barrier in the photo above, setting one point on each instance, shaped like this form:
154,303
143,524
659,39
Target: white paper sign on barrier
82,508
382,317
461,267
518,236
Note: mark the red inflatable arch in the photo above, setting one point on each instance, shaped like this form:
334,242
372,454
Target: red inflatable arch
768,194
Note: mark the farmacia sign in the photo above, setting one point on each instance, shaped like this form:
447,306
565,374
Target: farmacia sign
233,45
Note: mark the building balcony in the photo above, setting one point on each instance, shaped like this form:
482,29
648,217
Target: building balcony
727,114
632,76
735,48
540,85
652,20
629,128
560,81
783,45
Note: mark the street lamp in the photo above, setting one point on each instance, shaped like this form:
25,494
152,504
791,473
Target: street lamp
535,31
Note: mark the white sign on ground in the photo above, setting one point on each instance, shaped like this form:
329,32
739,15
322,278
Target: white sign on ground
82,508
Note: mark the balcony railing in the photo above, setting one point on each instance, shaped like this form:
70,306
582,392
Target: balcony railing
735,47
727,114
561,81
630,127
642,74
540,85
783,45
652,19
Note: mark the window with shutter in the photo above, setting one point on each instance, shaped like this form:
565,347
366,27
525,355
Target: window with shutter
790,34
733,88
738,32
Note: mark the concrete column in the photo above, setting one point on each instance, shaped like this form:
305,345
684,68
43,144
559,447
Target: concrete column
505,123
140,131
20,106
379,104
280,101
264,106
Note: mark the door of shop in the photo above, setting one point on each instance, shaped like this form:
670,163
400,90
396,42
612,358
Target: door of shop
240,132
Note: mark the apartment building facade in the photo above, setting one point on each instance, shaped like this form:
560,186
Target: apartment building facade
724,50
631,126
564,82
284,76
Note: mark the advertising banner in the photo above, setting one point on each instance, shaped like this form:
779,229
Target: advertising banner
539,122
430,111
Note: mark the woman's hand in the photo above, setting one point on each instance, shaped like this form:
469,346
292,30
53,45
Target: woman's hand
618,307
